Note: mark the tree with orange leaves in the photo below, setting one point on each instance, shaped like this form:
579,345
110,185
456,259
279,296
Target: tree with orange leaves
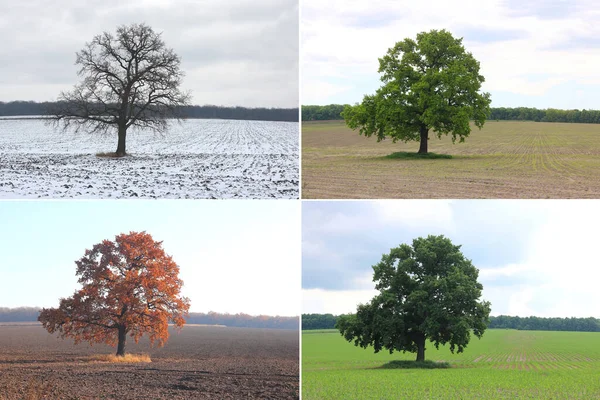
130,287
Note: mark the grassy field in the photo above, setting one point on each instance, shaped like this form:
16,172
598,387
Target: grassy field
506,159
504,364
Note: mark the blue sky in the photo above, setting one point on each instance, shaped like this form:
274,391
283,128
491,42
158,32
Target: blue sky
234,256
536,54
535,257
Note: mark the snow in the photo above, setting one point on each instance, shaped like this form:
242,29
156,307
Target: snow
194,159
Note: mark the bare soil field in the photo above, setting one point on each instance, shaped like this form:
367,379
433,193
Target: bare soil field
200,362
506,159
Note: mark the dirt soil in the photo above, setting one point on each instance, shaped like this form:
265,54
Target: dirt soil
200,362
506,159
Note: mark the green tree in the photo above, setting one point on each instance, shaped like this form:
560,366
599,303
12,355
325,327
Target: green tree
430,83
428,291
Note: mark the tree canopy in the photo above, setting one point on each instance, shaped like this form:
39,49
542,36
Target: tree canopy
129,80
428,84
428,291
130,286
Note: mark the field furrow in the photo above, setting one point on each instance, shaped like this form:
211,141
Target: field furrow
205,362
195,159
504,364
505,159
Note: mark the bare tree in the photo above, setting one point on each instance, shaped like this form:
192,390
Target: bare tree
130,79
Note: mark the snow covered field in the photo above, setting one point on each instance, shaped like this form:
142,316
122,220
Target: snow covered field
195,159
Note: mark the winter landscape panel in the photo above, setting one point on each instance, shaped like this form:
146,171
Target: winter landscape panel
196,158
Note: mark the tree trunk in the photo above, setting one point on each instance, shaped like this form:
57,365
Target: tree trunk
420,348
122,338
121,146
424,139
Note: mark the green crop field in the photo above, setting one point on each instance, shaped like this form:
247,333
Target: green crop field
506,159
504,364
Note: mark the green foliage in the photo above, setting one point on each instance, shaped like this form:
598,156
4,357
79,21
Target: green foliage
430,83
545,324
315,113
548,115
428,291
322,113
318,321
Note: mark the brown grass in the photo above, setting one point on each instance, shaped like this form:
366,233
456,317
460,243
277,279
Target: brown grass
127,358
506,159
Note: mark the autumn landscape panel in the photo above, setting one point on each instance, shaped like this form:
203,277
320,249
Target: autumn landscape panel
155,313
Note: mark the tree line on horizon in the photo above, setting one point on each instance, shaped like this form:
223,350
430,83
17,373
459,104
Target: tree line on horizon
240,320
332,112
30,108
328,321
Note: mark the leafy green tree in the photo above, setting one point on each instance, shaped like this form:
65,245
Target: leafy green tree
430,83
428,291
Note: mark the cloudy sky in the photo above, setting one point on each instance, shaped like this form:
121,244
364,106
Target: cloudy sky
234,256
534,257
234,52
538,53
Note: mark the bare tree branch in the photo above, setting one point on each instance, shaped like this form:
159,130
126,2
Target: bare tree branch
130,79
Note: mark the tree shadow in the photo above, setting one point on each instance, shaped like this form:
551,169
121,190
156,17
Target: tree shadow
405,155
408,364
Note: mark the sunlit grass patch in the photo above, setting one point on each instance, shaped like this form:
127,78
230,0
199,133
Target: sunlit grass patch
127,358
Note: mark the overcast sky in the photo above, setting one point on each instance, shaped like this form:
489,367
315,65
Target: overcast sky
538,53
234,256
535,257
234,52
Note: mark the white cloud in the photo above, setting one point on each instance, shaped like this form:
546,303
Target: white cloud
321,301
235,52
349,37
416,213
313,91
252,269
563,257
557,276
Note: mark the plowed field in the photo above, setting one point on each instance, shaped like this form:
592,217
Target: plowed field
200,362
505,159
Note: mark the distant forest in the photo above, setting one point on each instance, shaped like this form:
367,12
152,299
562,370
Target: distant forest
327,321
25,108
30,314
332,112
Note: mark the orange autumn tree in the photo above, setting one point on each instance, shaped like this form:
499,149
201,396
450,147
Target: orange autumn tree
129,287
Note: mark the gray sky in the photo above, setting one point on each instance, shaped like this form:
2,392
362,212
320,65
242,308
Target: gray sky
535,257
234,52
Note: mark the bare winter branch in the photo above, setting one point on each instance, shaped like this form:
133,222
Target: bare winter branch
129,79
